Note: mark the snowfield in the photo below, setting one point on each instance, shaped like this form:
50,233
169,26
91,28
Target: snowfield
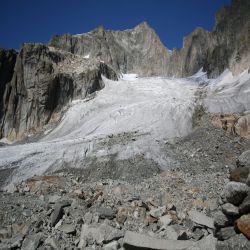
228,93
130,117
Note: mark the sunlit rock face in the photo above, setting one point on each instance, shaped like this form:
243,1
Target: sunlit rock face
138,50
226,47
44,81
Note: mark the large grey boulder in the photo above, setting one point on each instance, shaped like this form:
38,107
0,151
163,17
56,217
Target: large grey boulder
31,242
230,209
133,241
235,192
201,218
244,159
222,220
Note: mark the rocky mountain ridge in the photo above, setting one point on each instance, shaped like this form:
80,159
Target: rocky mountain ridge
138,50
35,86
227,46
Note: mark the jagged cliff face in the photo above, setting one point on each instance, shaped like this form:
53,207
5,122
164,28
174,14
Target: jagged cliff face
227,46
44,80
7,64
231,36
137,50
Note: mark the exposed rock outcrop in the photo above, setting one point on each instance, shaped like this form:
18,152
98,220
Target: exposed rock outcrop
7,64
43,82
137,50
227,46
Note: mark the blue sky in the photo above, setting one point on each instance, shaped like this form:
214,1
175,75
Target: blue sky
37,20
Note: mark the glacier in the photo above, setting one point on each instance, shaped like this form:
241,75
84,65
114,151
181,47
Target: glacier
130,117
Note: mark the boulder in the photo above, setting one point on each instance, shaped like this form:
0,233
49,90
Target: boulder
225,233
235,192
5,233
67,228
157,212
244,159
122,214
58,212
105,212
240,174
201,218
222,220
111,246
134,241
100,233
243,225
177,232
230,209
242,127
31,242
165,220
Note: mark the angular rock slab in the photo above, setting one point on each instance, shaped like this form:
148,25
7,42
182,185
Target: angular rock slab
133,241
201,218
99,233
32,242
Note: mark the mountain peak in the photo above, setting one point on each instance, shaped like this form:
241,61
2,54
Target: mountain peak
143,25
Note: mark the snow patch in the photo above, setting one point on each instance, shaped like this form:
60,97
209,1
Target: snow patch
229,93
129,77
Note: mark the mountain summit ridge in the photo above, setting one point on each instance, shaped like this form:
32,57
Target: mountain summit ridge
226,46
